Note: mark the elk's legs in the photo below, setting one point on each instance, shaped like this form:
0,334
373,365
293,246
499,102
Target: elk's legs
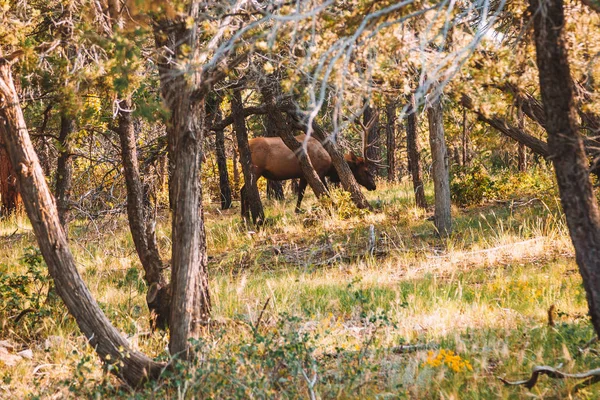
301,188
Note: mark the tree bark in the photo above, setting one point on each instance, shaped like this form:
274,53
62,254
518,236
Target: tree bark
390,130
372,141
521,150
9,193
414,157
190,298
214,110
64,170
441,179
250,197
140,223
133,366
566,146
536,145
466,159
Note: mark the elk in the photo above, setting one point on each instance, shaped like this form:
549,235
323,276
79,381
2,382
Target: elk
272,159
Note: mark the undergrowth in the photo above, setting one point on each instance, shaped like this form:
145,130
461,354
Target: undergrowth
333,303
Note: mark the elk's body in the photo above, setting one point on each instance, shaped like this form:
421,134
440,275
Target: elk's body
272,159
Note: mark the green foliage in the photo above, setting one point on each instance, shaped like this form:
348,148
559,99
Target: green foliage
23,297
339,203
474,185
471,185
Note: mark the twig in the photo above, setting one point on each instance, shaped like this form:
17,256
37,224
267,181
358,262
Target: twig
257,325
593,376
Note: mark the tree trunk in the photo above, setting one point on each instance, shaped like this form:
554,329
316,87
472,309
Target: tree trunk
224,187
190,298
372,145
566,146
521,150
391,140
414,158
133,366
466,159
141,225
250,197
64,170
236,170
441,179
9,193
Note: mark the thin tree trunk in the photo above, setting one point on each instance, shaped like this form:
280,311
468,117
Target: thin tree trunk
190,298
133,366
224,186
372,146
441,179
391,140
566,146
64,170
414,158
236,170
521,150
9,193
466,159
140,223
250,197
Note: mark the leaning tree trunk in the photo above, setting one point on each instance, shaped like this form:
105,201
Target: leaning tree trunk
133,366
390,129
566,146
64,170
441,180
281,128
335,152
141,226
414,157
190,299
250,197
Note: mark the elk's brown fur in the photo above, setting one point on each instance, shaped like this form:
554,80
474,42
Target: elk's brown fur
272,159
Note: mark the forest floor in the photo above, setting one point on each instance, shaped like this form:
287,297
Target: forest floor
339,304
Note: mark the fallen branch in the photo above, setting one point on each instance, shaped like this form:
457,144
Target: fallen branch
593,376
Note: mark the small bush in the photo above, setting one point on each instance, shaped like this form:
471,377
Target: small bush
471,185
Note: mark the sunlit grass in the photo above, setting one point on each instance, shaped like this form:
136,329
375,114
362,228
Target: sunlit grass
483,293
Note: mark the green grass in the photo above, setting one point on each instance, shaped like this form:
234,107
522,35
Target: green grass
331,305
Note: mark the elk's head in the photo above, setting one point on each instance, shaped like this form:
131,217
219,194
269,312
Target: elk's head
361,171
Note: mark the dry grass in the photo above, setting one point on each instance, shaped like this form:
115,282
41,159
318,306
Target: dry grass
483,293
